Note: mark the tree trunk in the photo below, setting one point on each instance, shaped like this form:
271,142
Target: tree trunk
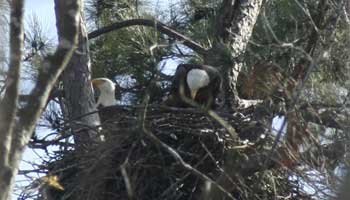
234,27
79,98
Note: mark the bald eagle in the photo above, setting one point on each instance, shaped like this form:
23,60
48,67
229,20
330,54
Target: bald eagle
193,82
106,92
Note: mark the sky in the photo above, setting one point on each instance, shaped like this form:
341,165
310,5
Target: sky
44,10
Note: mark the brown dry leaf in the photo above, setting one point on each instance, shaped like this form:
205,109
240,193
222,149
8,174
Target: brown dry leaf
52,181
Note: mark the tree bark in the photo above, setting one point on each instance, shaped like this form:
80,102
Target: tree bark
13,140
79,98
4,10
234,27
8,107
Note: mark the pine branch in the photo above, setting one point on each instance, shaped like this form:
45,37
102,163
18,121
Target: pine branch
150,23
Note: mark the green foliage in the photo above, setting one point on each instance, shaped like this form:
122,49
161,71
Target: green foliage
318,29
282,20
134,51
102,12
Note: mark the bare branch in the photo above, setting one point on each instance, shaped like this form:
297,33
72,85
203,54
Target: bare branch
8,105
151,23
53,65
67,13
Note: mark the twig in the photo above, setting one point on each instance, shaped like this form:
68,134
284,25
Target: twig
151,23
126,179
179,159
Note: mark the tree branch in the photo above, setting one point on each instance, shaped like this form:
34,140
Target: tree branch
53,65
8,105
150,23
67,13
262,161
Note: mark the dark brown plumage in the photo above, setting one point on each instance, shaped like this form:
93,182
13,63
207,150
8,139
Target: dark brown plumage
197,83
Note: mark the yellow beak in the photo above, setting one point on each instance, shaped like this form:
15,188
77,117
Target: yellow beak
193,93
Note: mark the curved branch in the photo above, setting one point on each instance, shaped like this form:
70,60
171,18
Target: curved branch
150,23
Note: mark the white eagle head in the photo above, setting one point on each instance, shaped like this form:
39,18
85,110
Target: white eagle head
107,91
196,79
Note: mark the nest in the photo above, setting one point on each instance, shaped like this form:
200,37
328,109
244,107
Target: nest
130,165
